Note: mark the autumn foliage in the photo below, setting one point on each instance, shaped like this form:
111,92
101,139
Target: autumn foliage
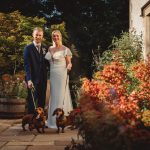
110,87
107,103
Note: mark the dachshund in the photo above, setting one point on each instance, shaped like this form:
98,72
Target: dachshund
35,120
75,118
61,120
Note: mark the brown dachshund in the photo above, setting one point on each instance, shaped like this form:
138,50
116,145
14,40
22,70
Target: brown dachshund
75,118
61,120
36,120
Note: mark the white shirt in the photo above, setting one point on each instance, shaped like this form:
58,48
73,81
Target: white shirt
37,45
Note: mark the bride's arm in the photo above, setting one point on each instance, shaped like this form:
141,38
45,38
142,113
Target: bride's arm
68,62
68,56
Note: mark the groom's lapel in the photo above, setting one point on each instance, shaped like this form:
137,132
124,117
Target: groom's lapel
43,49
35,52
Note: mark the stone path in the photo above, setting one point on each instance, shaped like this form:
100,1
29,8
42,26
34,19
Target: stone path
12,137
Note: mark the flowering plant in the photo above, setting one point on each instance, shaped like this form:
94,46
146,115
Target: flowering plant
115,103
75,117
111,110
13,86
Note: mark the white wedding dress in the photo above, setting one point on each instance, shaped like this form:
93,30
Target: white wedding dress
59,85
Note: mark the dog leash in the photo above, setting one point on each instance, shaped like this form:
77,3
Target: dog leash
65,87
32,91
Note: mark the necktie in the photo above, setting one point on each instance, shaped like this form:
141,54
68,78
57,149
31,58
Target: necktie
38,48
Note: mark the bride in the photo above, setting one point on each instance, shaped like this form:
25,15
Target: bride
59,57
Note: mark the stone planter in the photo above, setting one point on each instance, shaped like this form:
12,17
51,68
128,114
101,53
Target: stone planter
12,108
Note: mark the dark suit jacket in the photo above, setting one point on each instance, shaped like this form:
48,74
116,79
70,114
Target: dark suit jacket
35,64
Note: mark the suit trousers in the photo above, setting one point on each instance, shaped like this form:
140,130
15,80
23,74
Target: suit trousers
37,98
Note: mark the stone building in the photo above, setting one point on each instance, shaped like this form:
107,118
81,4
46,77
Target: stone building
140,21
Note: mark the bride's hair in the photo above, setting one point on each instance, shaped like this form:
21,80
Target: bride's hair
60,35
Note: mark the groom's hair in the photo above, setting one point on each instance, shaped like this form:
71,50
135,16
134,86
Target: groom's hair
38,29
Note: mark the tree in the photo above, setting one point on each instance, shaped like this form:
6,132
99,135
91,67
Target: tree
15,33
91,25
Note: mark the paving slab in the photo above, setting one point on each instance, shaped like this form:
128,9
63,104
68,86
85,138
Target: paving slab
12,130
9,121
3,128
6,123
16,138
30,143
61,143
2,143
13,148
51,135
12,137
45,148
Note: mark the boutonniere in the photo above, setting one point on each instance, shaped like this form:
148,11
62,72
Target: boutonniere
44,50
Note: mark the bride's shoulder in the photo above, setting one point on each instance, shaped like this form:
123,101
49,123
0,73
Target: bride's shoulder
51,48
65,48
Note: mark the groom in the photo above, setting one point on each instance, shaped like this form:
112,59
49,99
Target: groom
36,70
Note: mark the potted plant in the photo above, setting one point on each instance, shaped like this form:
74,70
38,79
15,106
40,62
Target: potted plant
13,94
